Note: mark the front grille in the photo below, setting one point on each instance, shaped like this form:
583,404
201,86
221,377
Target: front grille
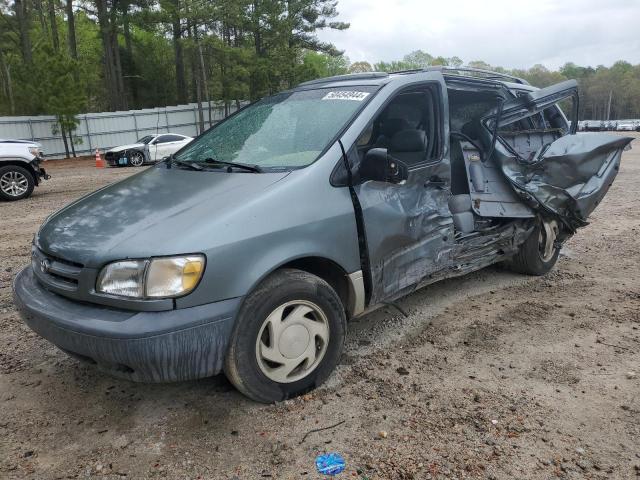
55,271
112,157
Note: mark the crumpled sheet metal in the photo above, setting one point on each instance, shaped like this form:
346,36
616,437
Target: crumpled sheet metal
424,227
569,177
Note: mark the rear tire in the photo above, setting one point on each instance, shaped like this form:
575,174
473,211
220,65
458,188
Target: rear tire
536,256
16,183
287,338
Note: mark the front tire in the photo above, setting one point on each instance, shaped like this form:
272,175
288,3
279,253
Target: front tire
16,183
136,159
539,253
287,338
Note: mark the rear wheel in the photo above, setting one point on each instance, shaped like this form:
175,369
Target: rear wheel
287,338
539,253
15,183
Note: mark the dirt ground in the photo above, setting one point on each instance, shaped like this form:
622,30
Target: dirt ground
494,375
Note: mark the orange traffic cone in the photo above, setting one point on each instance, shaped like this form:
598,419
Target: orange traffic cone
99,161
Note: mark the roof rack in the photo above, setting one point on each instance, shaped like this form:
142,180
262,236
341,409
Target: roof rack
459,71
349,76
464,72
480,73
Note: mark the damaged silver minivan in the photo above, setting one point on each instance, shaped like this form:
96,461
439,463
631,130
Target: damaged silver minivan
249,249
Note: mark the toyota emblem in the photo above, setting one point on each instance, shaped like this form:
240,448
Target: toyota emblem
45,265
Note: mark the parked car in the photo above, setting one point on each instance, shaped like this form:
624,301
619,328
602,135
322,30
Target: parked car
626,126
595,126
20,170
250,249
148,149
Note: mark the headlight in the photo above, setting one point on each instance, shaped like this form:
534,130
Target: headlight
156,278
35,151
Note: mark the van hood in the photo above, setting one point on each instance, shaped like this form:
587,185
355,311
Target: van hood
157,212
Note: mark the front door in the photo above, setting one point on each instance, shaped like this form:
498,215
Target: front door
408,227
161,147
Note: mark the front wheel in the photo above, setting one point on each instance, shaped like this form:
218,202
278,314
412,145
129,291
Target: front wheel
136,159
539,253
288,337
15,183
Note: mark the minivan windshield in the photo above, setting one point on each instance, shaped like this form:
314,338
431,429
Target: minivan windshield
285,131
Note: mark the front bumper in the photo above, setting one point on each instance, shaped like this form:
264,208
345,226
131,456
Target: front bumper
40,172
165,346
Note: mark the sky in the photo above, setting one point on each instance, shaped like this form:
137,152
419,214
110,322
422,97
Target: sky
507,33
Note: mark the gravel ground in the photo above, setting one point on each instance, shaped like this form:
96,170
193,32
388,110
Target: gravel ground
494,375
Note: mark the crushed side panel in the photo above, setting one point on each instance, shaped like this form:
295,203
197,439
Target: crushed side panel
569,177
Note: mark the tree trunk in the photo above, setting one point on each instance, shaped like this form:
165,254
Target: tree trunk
71,25
203,75
37,5
122,96
197,76
6,75
103,22
181,83
112,66
64,138
73,147
55,41
129,64
24,24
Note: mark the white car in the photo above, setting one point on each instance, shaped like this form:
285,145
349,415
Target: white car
20,169
148,149
626,127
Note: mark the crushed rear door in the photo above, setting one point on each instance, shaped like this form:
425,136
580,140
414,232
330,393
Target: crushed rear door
566,177
569,177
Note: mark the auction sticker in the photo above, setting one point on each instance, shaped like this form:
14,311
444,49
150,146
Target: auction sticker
346,95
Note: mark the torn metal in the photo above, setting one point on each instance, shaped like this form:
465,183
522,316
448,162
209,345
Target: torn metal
568,177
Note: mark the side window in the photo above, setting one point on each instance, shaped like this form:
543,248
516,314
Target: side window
406,127
174,138
163,139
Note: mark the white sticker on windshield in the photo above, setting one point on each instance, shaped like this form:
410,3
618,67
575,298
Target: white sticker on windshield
346,95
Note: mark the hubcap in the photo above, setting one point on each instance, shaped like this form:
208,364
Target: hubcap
292,341
137,159
547,239
14,184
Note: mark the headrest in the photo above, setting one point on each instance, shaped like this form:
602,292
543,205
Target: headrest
390,126
409,141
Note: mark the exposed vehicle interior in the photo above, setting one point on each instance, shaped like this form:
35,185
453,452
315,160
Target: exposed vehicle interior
406,128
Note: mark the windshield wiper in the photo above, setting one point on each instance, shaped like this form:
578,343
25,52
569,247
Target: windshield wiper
182,163
250,168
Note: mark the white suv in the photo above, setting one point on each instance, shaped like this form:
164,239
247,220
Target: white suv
20,169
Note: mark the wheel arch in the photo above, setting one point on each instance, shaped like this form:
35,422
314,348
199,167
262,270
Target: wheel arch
328,270
21,163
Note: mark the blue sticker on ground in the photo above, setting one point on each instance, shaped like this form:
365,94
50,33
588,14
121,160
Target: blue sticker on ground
330,463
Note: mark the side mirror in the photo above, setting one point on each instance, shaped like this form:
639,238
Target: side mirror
378,165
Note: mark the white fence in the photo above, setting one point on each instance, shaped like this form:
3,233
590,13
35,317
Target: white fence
109,129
